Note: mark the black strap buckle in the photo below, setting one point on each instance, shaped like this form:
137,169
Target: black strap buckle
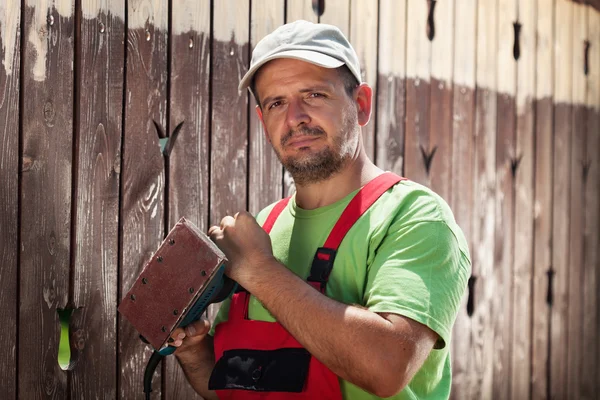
322,265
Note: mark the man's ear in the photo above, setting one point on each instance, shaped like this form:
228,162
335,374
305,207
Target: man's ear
363,95
260,116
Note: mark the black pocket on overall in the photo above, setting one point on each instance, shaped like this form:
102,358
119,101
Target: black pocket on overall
281,370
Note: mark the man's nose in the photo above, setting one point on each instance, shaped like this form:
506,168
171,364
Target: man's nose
296,114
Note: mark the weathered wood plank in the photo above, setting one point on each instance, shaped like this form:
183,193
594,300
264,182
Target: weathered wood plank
467,384
505,198
99,125
189,161
542,248
418,66
563,67
574,330
363,36
229,140
524,166
337,12
143,180
391,86
591,266
440,120
484,218
10,58
45,195
265,172
300,9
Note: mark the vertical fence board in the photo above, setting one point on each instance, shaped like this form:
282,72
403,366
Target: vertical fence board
337,12
418,64
391,86
575,270
524,197
542,251
96,231
229,141
10,58
300,9
463,123
265,171
440,120
504,241
45,196
561,189
143,180
484,203
591,267
363,36
188,162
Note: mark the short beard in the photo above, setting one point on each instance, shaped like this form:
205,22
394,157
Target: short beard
319,166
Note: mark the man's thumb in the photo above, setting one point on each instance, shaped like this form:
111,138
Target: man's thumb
199,327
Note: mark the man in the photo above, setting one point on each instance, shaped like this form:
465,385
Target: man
379,323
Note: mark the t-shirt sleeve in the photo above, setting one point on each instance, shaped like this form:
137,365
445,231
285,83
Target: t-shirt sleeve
420,272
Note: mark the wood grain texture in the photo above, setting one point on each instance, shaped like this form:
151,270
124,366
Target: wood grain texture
189,161
337,12
45,198
524,167
143,180
418,65
300,9
10,58
441,96
591,265
99,128
468,384
483,213
229,140
265,172
505,199
391,86
561,197
577,193
542,247
363,37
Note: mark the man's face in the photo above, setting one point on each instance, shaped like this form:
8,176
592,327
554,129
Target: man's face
308,118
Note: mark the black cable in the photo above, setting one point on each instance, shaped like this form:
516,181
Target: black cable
153,362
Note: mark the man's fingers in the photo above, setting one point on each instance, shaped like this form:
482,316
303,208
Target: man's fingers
198,328
228,220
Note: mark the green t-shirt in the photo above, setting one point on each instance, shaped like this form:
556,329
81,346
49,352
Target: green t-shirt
406,255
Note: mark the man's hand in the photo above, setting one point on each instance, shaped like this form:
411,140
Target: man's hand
244,243
187,339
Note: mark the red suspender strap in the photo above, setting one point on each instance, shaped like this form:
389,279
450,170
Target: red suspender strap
272,217
358,205
325,256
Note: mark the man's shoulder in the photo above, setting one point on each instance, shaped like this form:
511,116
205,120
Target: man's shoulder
414,202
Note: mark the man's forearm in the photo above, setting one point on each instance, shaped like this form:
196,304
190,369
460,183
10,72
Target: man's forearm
197,364
356,344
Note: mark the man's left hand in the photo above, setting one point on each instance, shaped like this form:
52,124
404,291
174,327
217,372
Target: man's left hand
244,243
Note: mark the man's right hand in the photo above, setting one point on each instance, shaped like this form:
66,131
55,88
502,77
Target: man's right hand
187,339
195,354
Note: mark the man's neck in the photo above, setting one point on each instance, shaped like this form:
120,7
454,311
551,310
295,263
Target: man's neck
353,176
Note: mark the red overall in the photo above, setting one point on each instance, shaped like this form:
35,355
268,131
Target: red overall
261,360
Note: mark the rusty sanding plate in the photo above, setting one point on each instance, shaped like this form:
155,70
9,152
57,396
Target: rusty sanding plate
170,282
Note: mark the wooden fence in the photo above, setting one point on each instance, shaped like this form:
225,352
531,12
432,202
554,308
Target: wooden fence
493,103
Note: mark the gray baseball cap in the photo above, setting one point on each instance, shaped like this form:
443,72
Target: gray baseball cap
320,44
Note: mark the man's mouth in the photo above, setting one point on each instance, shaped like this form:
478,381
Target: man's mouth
302,141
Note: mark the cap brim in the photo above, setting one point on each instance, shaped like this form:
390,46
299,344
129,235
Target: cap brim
313,57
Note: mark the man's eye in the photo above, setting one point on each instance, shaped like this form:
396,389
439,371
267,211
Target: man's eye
316,95
274,104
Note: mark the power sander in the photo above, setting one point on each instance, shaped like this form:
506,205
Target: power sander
178,283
